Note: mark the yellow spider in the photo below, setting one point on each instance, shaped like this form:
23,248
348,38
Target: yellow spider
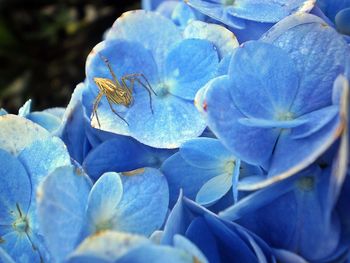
117,92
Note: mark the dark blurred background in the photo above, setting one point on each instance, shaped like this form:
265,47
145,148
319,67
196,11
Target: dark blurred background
44,44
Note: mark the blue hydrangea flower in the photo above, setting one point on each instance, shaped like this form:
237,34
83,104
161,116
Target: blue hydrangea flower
206,171
28,154
120,247
176,67
275,108
134,202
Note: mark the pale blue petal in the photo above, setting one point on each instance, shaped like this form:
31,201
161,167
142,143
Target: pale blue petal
155,32
214,189
144,204
4,257
40,159
103,200
3,112
107,246
45,120
218,12
15,188
62,201
181,13
16,133
268,11
223,39
205,153
173,122
320,55
157,254
20,248
56,111
186,245
25,109
181,175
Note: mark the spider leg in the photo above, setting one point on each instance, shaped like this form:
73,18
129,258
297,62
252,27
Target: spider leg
106,61
135,77
116,113
95,105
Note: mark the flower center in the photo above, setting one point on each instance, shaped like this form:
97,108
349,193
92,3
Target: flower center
228,2
229,166
285,116
306,183
21,223
162,90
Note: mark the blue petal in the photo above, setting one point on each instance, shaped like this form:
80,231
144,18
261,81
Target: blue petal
173,122
342,21
20,248
72,130
103,200
122,63
177,222
15,188
62,200
199,233
144,205
287,161
157,254
45,120
16,133
263,80
205,152
217,12
4,257
25,109
214,189
180,13
3,112
40,159
223,39
269,11
107,246
315,121
320,55
155,32
288,256
181,175
184,244
55,111
189,65
253,145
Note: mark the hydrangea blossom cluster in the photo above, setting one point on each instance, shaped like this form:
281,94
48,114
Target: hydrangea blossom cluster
205,131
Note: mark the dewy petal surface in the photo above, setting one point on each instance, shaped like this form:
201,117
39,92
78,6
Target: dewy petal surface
17,132
319,53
